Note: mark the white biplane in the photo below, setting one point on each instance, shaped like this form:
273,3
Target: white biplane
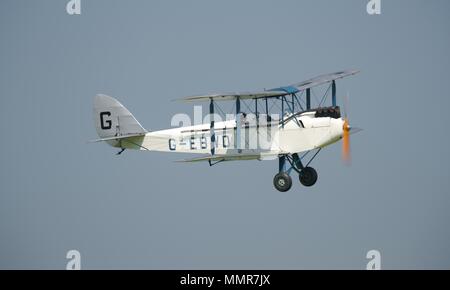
252,134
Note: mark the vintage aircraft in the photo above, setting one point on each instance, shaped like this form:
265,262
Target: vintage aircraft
248,135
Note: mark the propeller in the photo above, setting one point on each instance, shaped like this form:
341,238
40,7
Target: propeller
346,156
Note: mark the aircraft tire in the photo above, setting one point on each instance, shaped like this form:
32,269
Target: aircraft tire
282,182
308,176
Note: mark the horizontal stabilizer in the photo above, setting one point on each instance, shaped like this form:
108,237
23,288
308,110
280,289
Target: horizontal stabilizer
117,137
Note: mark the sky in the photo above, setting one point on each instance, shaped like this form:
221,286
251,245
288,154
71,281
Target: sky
142,210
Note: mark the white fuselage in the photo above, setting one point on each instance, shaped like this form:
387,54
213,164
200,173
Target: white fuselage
303,133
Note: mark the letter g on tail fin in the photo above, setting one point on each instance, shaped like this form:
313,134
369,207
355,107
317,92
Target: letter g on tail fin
112,119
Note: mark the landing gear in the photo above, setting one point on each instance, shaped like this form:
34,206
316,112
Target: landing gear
308,176
282,182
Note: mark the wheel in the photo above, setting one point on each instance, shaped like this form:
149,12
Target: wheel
282,182
308,176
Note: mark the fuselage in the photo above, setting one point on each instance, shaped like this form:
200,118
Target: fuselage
303,133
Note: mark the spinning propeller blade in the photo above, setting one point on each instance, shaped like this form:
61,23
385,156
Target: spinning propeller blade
346,156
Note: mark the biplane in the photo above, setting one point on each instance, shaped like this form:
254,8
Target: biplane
294,134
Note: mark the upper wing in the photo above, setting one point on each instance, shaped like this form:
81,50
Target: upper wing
320,80
233,96
275,92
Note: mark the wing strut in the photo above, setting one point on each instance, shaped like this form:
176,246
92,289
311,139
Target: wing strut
333,93
257,123
211,127
308,98
238,124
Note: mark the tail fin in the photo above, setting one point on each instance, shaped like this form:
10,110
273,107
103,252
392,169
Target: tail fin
112,119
